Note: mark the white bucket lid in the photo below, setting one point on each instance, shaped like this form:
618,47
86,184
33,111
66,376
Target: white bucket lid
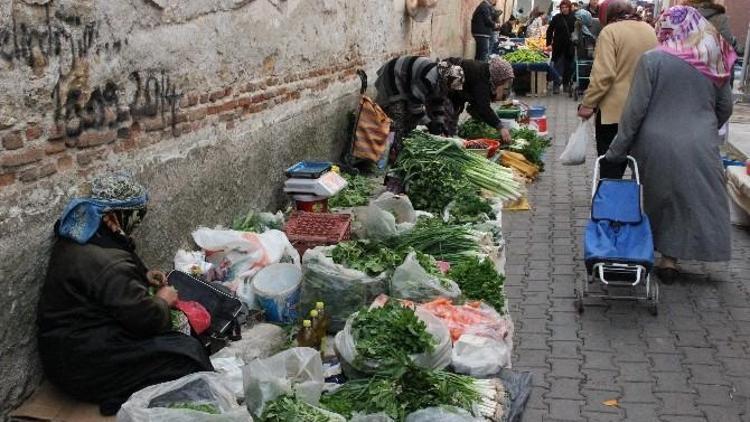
277,279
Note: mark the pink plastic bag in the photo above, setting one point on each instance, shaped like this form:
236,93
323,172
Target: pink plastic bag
197,315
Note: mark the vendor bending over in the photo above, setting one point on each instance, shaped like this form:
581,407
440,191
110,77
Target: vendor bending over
484,82
102,336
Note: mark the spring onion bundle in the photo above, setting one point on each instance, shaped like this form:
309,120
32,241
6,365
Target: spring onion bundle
443,241
422,152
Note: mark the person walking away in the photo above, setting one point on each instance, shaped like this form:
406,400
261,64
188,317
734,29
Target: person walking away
413,90
621,43
559,36
484,82
101,335
483,24
679,98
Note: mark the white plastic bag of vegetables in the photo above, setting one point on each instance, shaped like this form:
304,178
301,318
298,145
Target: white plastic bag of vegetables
412,281
343,290
199,397
297,371
389,215
439,358
442,414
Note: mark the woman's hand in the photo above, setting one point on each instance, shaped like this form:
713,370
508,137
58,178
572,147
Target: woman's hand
505,136
156,278
585,112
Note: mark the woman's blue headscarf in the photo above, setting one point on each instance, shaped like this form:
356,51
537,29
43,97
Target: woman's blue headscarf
82,216
587,21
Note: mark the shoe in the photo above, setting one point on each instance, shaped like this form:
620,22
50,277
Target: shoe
667,275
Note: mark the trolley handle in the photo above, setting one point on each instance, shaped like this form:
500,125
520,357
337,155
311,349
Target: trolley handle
631,163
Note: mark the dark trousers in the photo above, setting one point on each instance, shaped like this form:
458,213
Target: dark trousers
483,48
605,134
564,68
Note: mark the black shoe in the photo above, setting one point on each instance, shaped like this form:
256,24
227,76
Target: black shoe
667,275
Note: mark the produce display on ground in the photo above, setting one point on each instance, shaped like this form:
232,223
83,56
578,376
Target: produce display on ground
286,408
446,242
369,257
470,207
524,55
479,280
525,141
356,193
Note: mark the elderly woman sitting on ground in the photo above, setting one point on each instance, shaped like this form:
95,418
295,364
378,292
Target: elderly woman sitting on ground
102,335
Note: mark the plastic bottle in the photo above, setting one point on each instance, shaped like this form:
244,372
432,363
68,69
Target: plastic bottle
317,326
324,317
306,336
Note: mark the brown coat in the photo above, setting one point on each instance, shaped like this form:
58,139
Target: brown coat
618,49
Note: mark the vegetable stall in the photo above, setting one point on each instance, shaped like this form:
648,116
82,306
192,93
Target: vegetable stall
378,307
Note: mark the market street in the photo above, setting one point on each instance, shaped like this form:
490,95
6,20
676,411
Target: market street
689,363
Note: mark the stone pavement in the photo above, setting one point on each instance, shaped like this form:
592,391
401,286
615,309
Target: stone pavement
690,363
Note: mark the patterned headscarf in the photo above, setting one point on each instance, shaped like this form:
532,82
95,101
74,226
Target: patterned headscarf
500,71
82,217
684,33
452,75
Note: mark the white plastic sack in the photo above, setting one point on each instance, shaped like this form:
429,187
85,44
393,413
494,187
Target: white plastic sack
297,372
192,262
343,290
389,215
442,414
480,356
259,342
575,151
411,281
439,358
229,370
152,403
239,255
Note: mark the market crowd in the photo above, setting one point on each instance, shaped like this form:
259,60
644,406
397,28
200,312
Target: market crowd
657,93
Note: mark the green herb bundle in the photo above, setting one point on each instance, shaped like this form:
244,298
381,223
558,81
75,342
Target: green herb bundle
254,222
204,407
479,280
530,145
446,242
469,207
477,129
427,161
369,257
356,193
399,391
390,334
286,408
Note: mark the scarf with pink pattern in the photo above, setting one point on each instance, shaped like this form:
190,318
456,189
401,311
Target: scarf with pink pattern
684,33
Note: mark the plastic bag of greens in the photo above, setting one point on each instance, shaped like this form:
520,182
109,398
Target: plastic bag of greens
377,417
389,215
575,151
295,372
412,281
439,358
343,290
199,397
442,414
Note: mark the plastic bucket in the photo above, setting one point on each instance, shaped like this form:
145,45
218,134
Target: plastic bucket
536,111
540,122
277,289
311,203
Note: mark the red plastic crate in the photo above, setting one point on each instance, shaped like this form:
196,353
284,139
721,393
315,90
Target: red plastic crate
310,229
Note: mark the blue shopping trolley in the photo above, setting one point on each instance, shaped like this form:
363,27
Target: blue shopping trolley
618,244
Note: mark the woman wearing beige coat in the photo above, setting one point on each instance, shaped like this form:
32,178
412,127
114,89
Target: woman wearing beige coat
619,47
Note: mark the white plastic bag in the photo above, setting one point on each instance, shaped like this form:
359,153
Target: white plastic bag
389,215
238,255
259,342
152,404
297,371
439,358
442,414
575,151
343,290
411,281
192,262
229,370
480,356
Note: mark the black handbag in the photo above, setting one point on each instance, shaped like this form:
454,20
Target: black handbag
225,309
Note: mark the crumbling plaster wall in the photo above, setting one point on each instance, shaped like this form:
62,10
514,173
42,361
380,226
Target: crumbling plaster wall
206,101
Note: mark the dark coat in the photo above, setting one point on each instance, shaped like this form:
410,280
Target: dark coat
559,34
477,91
101,336
483,20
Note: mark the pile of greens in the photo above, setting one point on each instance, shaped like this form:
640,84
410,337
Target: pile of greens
469,207
446,242
427,163
390,334
356,193
256,222
525,56
477,129
530,144
205,407
401,390
286,408
479,280
369,257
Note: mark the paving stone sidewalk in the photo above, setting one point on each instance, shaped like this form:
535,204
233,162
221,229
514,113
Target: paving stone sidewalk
689,364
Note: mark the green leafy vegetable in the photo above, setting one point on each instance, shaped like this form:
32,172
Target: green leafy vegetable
286,408
205,407
369,257
477,129
357,192
390,334
399,391
525,56
443,241
256,222
479,280
470,207
532,146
